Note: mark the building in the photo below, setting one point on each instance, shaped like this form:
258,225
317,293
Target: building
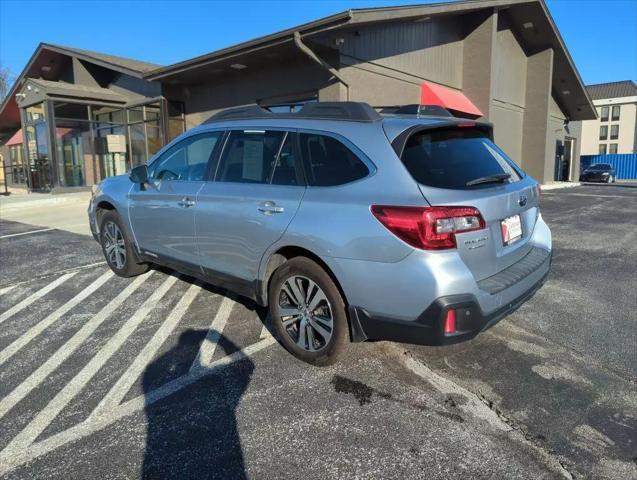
615,129
80,116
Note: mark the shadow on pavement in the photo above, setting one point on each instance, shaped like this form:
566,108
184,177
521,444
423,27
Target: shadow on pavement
193,433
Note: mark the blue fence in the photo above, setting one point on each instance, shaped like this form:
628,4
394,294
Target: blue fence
625,164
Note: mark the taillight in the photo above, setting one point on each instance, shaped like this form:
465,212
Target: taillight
429,228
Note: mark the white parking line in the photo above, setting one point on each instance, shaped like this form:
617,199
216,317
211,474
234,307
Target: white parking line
75,386
24,447
4,290
265,330
16,454
71,389
26,233
209,345
58,272
38,328
32,298
117,393
66,350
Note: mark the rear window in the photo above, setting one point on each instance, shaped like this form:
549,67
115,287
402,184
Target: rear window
453,158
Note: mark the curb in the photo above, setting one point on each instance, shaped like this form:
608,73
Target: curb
6,206
558,185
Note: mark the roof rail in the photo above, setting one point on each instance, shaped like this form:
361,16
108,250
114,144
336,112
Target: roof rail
350,111
416,109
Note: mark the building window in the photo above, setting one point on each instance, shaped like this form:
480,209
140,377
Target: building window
602,149
615,114
603,115
603,132
15,169
614,132
612,148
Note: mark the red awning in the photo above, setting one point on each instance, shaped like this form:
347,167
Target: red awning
16,139
434,94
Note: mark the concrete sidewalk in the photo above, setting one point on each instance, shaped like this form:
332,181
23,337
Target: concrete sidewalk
64,211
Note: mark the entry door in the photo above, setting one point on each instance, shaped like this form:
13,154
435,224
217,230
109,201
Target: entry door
567,164
162,211
257,191
559,155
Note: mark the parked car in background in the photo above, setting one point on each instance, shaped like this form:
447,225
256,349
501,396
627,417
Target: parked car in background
347,224
598,172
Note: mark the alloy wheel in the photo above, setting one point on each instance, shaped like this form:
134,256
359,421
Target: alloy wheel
305,313
114,245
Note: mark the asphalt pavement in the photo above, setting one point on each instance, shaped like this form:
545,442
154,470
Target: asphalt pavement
162,377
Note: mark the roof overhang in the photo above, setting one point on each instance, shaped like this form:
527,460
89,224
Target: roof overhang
568,88
36,90
46,63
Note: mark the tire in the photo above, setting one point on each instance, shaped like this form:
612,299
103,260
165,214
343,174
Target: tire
120,260
609,179
302,272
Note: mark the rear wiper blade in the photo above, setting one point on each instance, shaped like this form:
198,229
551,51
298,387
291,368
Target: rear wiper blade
500,177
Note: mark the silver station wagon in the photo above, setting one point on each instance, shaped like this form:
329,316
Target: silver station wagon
349,225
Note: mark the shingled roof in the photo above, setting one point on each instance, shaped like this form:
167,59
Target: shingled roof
625,88
129,64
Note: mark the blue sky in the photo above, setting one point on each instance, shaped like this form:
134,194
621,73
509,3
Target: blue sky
601,35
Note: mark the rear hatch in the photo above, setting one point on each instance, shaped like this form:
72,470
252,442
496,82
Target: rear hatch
460,166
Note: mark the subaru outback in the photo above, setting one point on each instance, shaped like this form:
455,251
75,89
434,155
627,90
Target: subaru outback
347,224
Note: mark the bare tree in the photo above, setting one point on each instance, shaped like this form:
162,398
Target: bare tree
5,82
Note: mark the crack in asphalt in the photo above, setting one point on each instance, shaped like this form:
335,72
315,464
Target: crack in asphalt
537,440
447,386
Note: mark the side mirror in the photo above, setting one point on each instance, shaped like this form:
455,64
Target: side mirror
139,174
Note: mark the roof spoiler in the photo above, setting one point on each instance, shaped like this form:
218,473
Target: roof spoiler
398,144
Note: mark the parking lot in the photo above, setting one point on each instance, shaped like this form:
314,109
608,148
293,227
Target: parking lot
162,377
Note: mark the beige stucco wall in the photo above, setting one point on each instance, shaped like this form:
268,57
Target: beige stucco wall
626,143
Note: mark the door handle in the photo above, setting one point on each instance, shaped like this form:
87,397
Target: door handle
269,208
185,202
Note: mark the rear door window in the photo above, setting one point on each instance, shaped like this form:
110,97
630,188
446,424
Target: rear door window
456,158
328,161
261,156
249,156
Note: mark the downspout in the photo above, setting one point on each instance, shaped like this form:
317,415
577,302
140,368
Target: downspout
313,56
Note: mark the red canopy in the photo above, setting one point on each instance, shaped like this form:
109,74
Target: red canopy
16,139
434,94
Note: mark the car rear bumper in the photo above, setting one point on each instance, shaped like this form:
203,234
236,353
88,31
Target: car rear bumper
594,178
428,328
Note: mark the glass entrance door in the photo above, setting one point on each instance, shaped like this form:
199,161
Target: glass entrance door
36,137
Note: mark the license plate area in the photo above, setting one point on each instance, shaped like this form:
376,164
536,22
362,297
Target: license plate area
511,228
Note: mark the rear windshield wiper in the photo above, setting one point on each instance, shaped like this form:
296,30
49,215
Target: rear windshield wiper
500,177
